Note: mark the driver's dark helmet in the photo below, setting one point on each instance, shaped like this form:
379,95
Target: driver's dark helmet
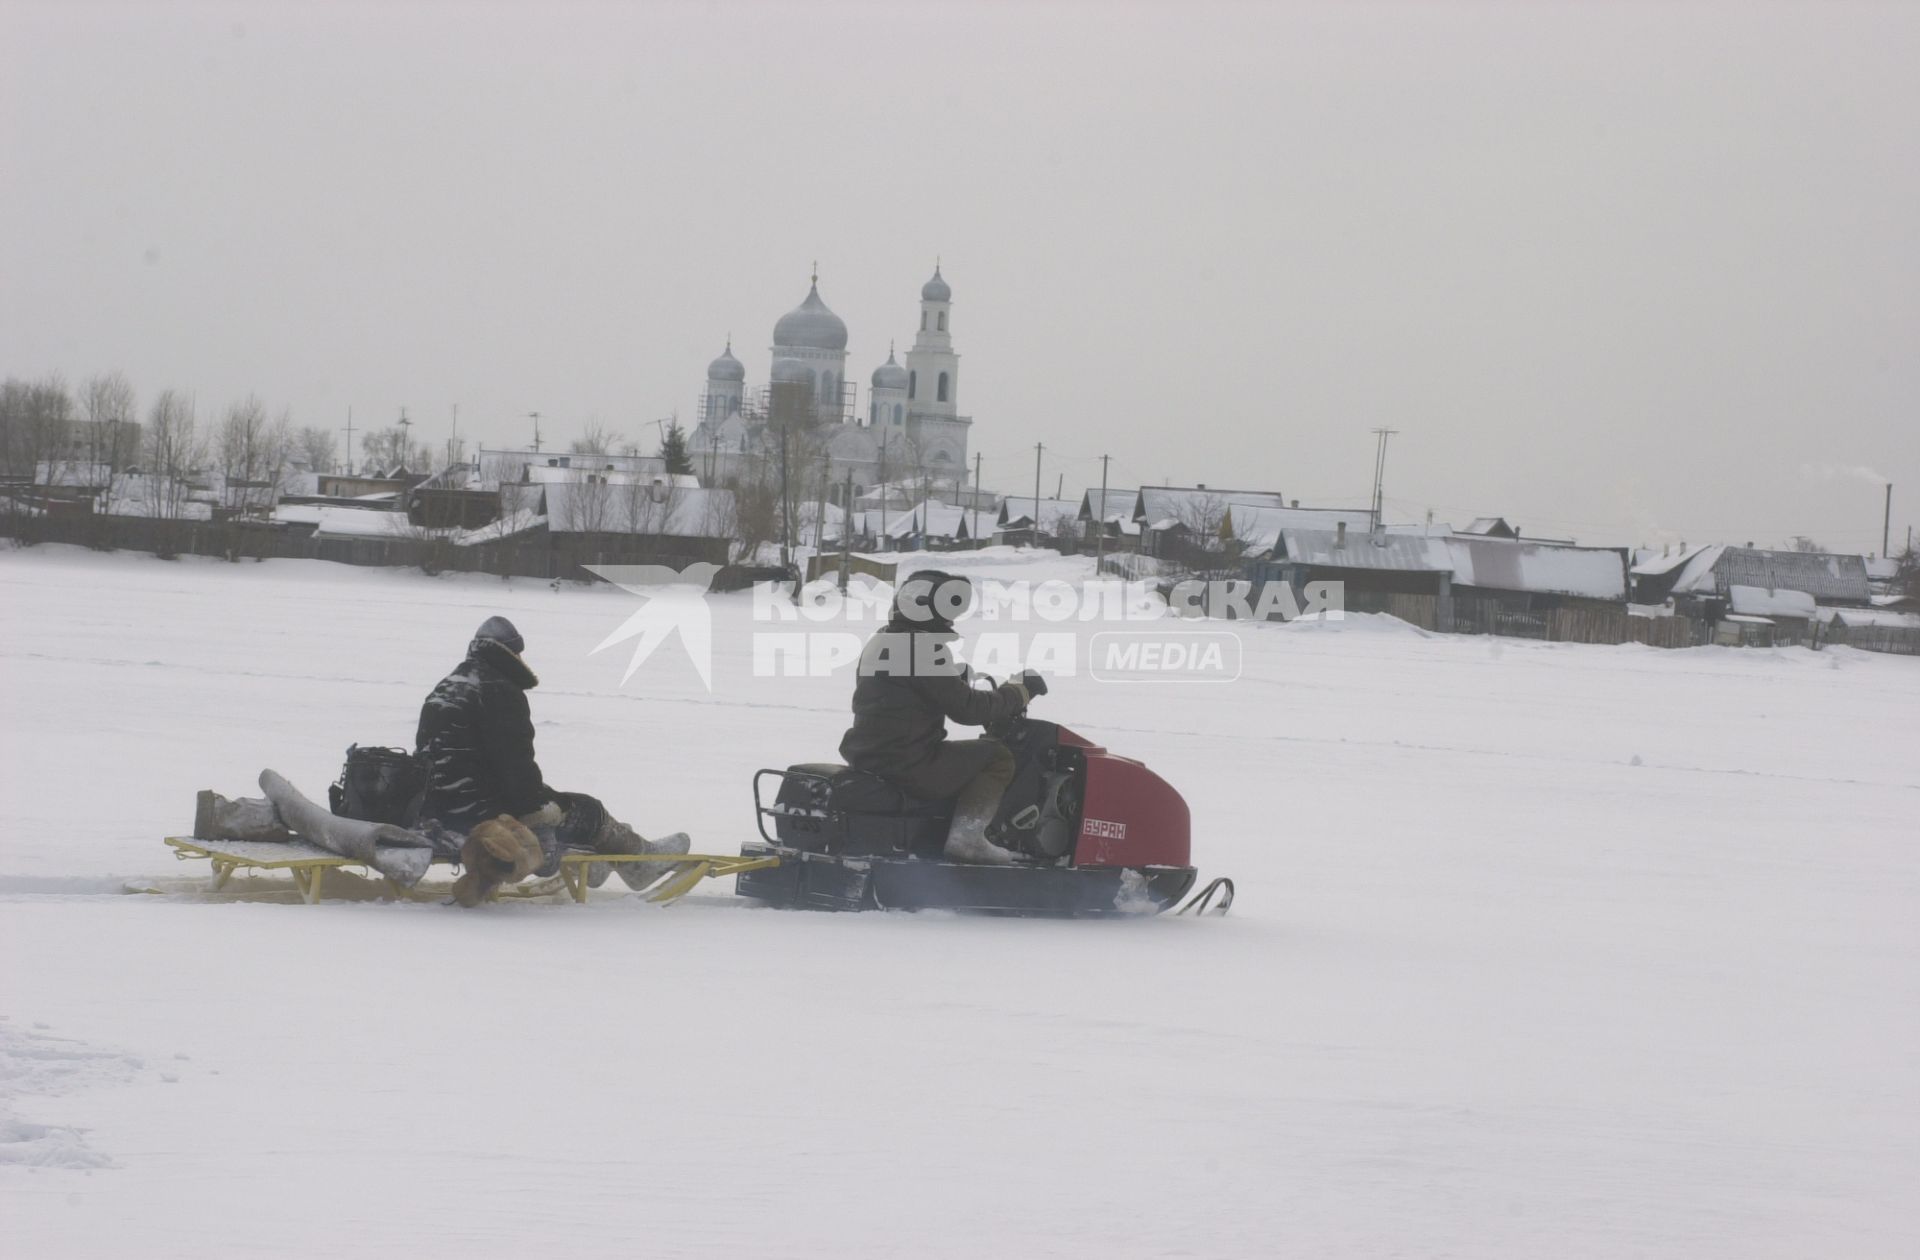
931,600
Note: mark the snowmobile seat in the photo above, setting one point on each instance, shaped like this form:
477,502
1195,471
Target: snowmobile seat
858,792
831,808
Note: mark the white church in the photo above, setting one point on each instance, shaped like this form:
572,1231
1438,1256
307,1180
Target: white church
910,433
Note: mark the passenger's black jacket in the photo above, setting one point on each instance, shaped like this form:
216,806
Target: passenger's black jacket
477,735
909,688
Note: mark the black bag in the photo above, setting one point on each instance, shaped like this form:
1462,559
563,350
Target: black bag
383,785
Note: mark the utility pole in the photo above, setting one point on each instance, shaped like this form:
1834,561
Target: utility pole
349,441
1100,519
1380,474
406,441
1037,449
846,532
535,417
786,506
1886,523
976,481
881,541
453,435
820,507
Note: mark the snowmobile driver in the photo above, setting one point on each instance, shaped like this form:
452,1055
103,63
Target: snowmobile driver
484,785
910,685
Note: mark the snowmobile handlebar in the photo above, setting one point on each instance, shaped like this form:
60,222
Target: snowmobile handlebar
1033,682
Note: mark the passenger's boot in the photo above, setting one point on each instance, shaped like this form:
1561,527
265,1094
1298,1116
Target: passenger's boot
244,818
616,837
545,824
974,809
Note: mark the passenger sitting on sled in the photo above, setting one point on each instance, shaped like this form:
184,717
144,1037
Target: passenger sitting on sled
910,686
484,785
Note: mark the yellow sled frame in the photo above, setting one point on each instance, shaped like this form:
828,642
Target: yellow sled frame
309,871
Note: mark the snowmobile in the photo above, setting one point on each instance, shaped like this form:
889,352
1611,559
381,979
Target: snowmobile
1094,835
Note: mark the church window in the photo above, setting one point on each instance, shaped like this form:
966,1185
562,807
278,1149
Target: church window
913,384
943,321
923,321
896,413
941,396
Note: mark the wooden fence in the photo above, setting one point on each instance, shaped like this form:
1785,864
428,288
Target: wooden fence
1899,640
535,554
1473,614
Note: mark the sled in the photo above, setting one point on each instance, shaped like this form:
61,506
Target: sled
309,865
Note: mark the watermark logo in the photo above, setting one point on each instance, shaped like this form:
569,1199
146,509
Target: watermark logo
674,601
1136,656
1112,631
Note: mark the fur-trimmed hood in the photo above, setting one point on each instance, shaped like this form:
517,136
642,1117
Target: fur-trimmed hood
499,656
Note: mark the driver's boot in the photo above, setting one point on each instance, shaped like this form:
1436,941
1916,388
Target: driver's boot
974,809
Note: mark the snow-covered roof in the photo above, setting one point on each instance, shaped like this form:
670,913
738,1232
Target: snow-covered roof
71,472
1888,617
1490,527
346,522
1117,505
150,494
494,531
1696,573
1650,563
1501,564
935,519
546,475
1018,513
1259,527
1182,503
1357,549
1496,564
1758,601
573,507
1715,570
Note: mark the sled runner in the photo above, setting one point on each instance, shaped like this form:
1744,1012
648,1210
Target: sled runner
309,865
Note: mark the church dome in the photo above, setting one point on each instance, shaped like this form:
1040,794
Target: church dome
791,372
726,367
811,326
889,375
936,290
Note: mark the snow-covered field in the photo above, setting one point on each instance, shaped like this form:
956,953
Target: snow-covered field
1541,950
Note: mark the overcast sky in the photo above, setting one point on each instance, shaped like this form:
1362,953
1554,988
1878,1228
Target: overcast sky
1628,273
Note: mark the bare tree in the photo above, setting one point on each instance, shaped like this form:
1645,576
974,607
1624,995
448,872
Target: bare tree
1202,545
392,448
650,505
35,426
316,446
175,447
588,505
598,439
1804,544
113,429
497,469
756,510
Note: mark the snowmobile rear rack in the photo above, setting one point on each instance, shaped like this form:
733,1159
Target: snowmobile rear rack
309,864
